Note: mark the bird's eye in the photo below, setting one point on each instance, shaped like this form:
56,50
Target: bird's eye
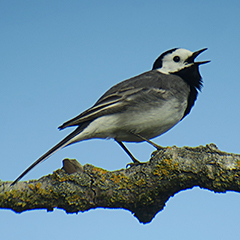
176,59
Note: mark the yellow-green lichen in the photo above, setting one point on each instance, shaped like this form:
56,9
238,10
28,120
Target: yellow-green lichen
140,182
238,163
119,178
165,168
99,170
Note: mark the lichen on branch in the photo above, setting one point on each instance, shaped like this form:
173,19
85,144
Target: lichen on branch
143,189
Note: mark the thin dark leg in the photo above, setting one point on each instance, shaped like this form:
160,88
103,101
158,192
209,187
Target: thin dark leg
149,141
128,153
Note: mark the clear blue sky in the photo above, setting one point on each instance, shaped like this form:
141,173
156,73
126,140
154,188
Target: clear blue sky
58,57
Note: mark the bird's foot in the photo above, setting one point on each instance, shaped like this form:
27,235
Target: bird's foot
134,163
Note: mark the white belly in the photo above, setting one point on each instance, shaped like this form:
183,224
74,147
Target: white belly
149,123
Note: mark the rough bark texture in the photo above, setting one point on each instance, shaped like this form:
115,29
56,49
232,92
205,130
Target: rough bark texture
142,189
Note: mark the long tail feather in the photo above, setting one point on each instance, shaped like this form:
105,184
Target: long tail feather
54,149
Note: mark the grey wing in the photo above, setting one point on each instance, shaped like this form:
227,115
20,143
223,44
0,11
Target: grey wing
113,103
117,98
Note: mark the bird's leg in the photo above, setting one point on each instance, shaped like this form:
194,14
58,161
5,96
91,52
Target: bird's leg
149,141
135,161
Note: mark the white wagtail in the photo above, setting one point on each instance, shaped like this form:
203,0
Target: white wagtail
140,108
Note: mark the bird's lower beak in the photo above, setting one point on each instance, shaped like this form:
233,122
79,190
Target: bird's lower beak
194,55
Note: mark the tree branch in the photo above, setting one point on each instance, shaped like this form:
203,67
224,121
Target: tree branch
142,189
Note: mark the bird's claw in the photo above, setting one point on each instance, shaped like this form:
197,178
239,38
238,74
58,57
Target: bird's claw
135,163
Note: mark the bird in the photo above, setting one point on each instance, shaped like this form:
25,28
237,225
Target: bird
139,108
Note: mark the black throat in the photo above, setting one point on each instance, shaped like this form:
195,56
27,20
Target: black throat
193,78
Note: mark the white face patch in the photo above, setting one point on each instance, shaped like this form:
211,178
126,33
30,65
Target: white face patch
175,61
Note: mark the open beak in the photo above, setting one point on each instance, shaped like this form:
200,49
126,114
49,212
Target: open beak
194,55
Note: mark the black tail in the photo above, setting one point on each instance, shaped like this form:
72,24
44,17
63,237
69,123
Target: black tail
57,147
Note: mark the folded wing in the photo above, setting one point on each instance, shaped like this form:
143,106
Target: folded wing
117,98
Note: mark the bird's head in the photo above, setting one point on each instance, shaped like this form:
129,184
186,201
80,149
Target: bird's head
180,61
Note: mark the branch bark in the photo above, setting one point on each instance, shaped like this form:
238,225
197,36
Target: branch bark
142,189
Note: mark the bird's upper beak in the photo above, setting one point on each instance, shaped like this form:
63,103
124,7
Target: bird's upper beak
194,55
